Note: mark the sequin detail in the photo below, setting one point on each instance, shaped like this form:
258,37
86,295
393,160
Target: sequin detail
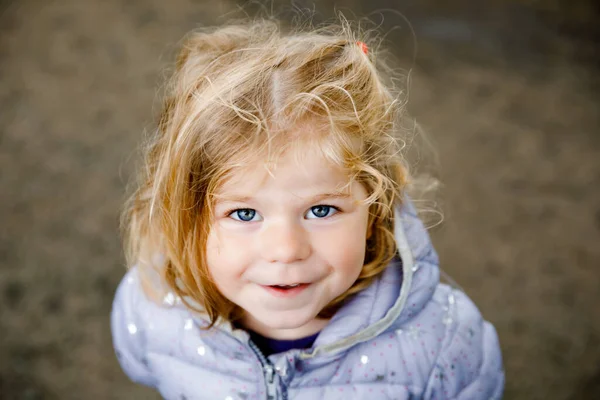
169,299
449,309
201,350
364,359
132,329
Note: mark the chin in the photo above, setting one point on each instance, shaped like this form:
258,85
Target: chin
287,320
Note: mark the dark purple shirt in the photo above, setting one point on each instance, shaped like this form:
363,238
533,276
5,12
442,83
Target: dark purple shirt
273,346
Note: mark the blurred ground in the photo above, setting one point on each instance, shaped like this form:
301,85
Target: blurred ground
508,93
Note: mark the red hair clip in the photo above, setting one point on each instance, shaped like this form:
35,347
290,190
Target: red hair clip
363,46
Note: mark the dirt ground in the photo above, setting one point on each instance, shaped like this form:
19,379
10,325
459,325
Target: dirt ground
507,93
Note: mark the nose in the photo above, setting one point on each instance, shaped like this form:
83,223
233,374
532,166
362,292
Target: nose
284,242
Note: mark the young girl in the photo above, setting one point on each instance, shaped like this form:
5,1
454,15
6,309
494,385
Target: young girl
276,253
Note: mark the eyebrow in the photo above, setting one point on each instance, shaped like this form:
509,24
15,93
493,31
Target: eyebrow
317,198
336,195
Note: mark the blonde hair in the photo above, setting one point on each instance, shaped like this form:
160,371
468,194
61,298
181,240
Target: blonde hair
234,95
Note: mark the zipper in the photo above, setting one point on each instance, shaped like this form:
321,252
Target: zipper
268,372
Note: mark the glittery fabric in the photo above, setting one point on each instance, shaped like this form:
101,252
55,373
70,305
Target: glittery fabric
438,347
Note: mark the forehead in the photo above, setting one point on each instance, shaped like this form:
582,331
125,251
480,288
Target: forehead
298,169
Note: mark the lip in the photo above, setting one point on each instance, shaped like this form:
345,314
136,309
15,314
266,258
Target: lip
286,293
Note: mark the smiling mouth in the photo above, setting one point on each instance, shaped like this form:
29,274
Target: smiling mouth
286,286
286,290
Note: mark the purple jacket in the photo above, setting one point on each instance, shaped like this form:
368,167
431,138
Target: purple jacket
407,336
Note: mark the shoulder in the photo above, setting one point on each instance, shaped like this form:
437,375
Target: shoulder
144,307
127,326
132,306
136,320
468,363
446,350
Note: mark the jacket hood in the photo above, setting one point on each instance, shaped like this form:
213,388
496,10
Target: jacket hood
402,290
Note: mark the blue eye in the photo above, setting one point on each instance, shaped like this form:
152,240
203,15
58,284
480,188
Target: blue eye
243,214
322,211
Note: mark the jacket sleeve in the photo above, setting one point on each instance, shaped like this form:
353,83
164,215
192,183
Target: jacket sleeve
469,366
129,329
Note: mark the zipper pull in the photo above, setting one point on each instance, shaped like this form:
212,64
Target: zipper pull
270,379
270,374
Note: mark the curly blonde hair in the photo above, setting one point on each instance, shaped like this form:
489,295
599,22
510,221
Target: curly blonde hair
234,95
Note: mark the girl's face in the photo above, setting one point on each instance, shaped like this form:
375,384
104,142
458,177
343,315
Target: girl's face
283,246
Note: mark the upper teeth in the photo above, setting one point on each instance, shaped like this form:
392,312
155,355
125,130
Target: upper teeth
294,285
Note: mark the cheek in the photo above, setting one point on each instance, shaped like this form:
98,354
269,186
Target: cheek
223,255
346,250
